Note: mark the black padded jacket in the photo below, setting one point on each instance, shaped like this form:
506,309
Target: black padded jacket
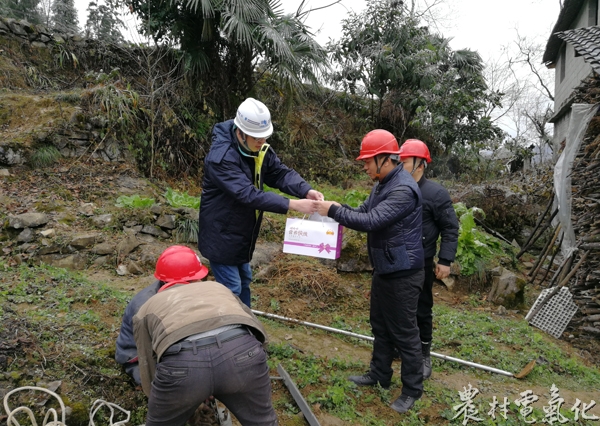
439,218
391,216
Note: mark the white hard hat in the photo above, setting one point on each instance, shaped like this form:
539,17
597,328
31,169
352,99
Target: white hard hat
253,118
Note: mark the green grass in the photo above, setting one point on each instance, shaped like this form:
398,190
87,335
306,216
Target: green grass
352,197
44,156
471,332
72,323
186,231
324,380
70,98
507,344
66,326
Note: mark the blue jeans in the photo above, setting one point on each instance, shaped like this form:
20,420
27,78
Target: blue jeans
236,278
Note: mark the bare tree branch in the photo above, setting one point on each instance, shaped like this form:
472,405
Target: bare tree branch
528,52
300,14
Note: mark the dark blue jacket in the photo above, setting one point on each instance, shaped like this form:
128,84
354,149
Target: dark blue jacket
231,206
391,216
439,217
126,353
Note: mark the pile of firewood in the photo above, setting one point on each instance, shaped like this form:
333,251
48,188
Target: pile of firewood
585,180
581,271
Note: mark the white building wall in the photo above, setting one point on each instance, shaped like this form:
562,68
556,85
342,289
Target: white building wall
560,132
576,70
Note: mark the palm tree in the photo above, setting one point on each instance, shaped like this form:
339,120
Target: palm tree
230,44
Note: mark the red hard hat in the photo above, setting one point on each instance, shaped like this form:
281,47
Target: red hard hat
415,148
179,263
377,142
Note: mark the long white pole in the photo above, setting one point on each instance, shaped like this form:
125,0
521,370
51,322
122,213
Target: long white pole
369,338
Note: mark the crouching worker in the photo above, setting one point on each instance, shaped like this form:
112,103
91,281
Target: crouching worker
195,340
176,263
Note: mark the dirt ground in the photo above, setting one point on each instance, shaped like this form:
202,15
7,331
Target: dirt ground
68,187
330,345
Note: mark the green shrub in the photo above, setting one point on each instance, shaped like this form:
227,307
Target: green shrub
187,231
177,199
475,248
134,201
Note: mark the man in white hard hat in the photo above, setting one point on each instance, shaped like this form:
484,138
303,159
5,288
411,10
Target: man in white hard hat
238,164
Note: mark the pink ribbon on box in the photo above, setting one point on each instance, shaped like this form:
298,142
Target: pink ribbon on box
321,246
325,247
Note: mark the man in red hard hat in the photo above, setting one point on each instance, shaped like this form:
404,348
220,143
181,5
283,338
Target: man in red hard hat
391,216
195,340
439,218
176,263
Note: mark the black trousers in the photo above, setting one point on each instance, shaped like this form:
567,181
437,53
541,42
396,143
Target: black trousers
235,372
424,309
393,317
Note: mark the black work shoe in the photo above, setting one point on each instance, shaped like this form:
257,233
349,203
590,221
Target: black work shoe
367,380
403,403
426,367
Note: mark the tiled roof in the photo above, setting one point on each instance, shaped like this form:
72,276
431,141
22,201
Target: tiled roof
567,15
586,41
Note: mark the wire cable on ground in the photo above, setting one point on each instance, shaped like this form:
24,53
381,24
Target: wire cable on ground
96,406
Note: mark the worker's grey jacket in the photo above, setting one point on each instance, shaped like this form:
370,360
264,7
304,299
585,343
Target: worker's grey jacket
439,217
229,222
391,216
126,352
182,311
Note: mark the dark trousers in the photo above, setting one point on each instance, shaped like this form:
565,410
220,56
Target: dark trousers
394,323
235,372
424,309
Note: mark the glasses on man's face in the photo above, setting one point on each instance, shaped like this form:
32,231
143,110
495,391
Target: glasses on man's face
260,139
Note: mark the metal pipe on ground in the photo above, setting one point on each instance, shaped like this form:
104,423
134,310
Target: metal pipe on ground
304,407
524,372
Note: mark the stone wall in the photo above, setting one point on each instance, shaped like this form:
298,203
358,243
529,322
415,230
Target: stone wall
55,114
41,237
38,35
